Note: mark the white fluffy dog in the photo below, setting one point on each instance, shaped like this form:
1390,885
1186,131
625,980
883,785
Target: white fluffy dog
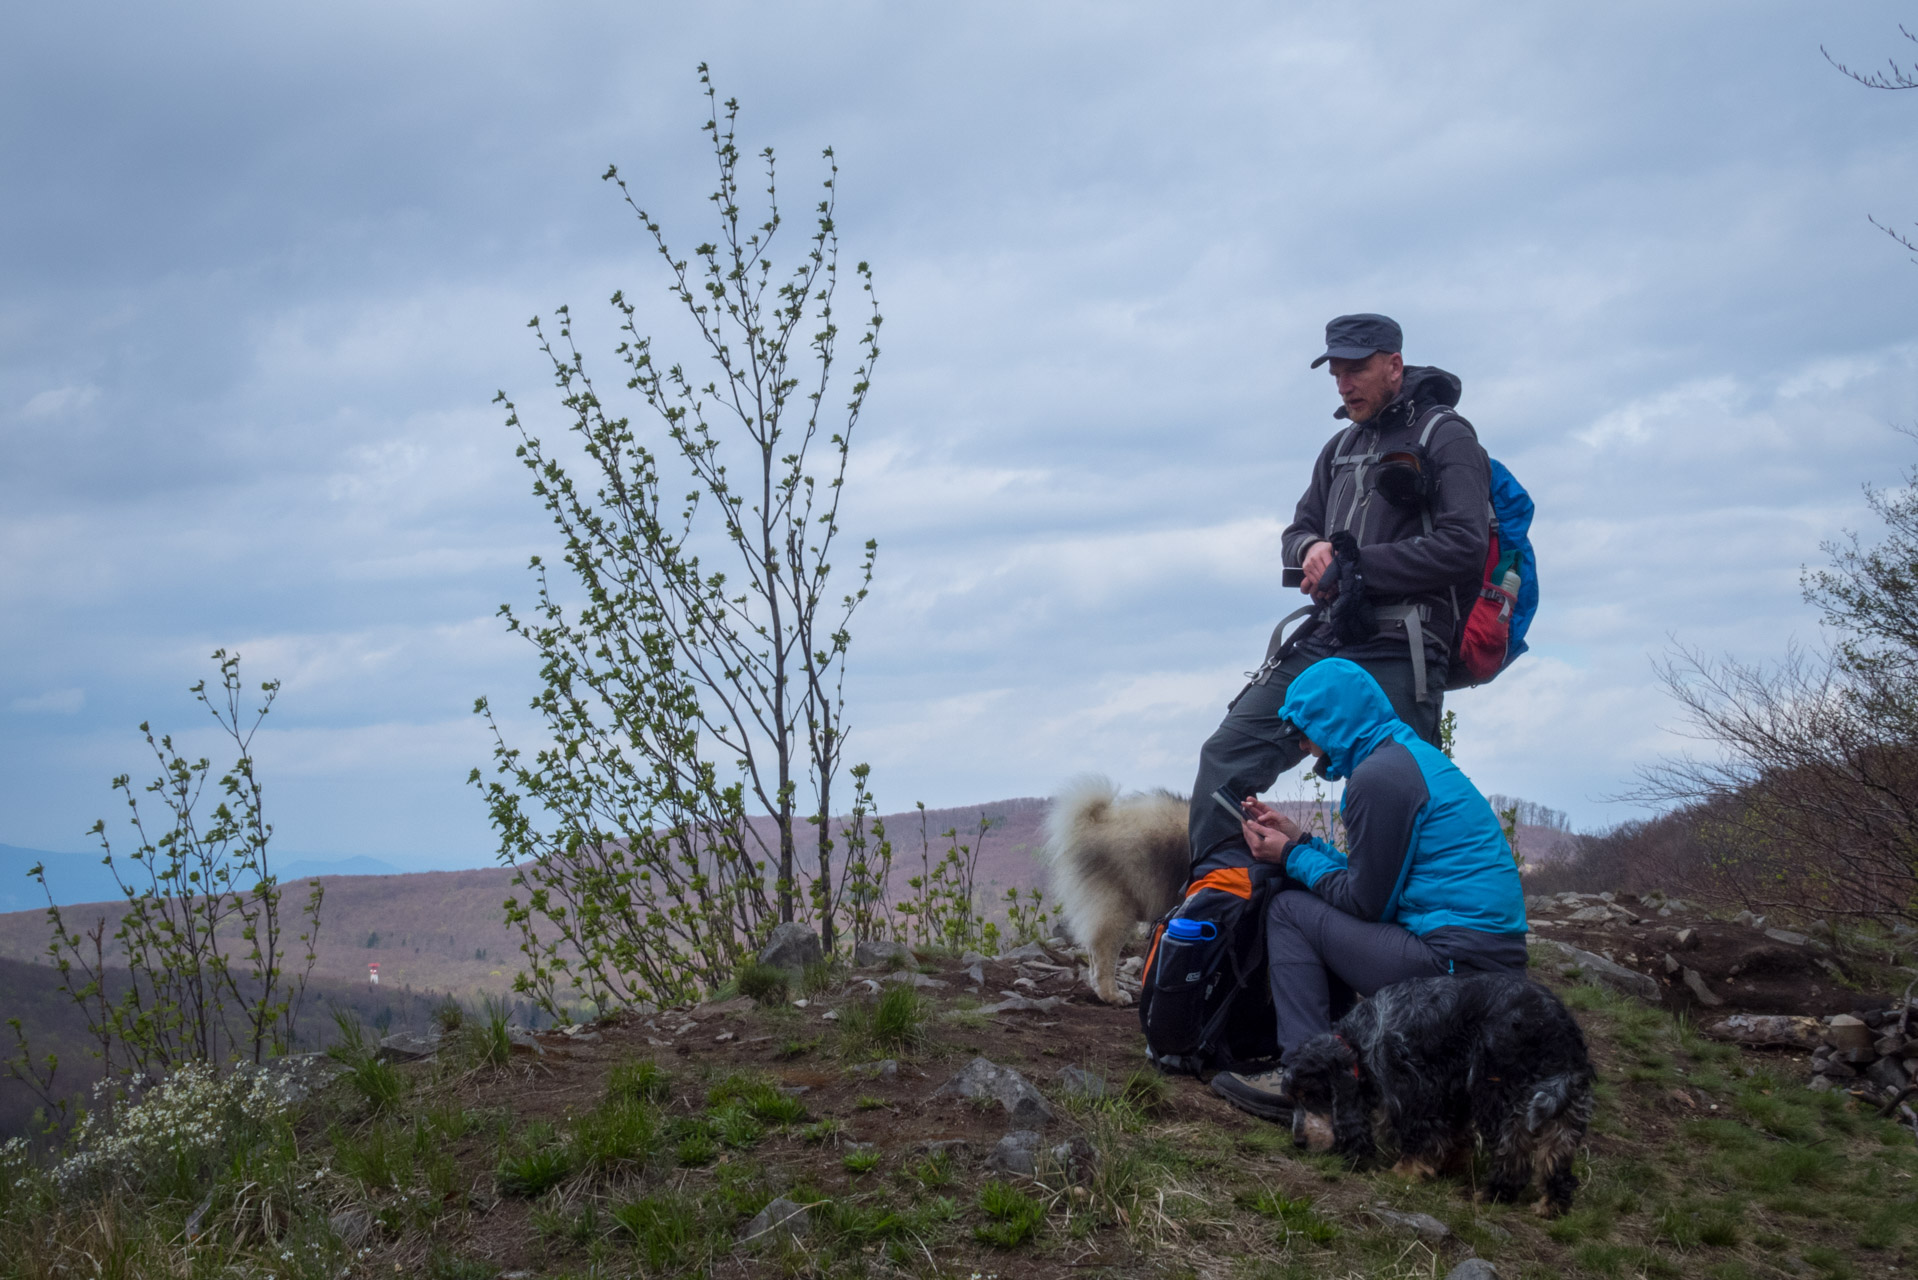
1115,862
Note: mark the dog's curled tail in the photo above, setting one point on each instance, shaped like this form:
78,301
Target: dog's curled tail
1553,1096
1084,800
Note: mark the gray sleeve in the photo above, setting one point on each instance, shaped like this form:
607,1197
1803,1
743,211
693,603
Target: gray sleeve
1383,798
1308,518
1454,552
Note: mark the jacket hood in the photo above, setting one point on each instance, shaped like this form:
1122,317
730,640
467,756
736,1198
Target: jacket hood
1424,386
1340,707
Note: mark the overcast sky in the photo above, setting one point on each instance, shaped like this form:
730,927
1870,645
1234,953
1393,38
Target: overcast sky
264,268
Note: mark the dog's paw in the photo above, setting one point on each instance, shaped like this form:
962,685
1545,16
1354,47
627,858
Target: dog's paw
1413,1170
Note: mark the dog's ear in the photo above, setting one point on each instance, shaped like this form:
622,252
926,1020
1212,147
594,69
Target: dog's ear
1351,1108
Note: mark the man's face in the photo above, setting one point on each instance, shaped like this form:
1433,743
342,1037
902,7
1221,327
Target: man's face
1368,385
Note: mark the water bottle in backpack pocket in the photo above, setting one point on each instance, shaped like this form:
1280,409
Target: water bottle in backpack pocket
1207,953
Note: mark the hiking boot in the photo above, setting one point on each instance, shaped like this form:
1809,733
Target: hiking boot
1258,1094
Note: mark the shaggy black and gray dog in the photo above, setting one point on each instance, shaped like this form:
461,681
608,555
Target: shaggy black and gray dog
1435,1063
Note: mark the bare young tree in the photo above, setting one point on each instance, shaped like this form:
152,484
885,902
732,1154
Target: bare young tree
699,678
1810,801
1893,76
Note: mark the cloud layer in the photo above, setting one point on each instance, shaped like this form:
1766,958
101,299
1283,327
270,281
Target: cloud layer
268,269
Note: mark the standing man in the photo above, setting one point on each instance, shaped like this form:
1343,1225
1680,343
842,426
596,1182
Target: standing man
1389,541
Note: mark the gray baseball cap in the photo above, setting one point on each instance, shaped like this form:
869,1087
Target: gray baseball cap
1356,337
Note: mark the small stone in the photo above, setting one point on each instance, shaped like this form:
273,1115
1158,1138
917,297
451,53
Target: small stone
1664,911
1745,918
1423,1225
830,1015
1838,1069
1889,1045
1030,951
1847,1032
1132,967
1671,966
1590,914
1823,1084
1787,937
1024,1004
944,1146
1608,897
883,1069
781,1217
977,972
1077,1082
1076,1158
971,958
800,1004
1687,939
1873,1018
792,947
1017,1153
723,1037
982,1078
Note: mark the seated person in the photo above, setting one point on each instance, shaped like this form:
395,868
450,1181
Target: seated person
1429,887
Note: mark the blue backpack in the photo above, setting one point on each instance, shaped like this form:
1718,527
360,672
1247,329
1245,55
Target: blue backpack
1491,633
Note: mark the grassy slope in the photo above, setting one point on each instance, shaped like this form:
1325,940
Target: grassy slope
1704,1161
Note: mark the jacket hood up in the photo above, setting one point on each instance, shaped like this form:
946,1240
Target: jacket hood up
1340,707
1424,386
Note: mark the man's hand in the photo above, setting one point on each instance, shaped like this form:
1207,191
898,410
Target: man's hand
1267,831
1318,558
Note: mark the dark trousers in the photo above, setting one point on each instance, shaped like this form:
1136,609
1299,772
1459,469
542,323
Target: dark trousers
1321,960
1247,753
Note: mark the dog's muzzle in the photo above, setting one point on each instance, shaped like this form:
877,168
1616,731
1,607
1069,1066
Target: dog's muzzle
1311,1130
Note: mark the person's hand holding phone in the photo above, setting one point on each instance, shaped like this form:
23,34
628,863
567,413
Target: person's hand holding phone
1267,831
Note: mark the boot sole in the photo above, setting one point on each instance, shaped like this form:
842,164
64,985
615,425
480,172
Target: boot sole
1278,1112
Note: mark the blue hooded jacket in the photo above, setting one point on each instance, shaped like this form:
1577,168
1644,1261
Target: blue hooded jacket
1427,851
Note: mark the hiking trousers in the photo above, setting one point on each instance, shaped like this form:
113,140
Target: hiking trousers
1247,753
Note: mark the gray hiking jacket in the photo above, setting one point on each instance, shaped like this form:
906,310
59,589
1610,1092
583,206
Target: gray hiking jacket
1440,571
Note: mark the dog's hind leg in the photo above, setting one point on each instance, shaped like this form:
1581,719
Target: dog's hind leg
1512,1149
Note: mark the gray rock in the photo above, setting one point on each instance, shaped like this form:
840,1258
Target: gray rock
792,947
982,1078
1586,915
977,972
872,953
1017,1153
1889,1045
1823,1084
1837,1069
1787,937
407,1046
1688,939
949,1147
1887,1074
1030,951
352,1226
780,1218
1423,1225
1778,1029
883,1069
914,979
1473,1269
1695,983
1600,970
971,958
1747,919
524,1039
1077,1082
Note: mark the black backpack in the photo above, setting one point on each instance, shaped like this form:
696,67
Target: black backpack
1204,1004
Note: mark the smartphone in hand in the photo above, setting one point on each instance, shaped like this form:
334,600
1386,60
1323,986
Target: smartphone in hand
1224,800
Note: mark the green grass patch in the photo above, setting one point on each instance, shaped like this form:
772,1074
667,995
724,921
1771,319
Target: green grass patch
638,1081
1015,1215
861,1161
764,983
666,1230
1295,1216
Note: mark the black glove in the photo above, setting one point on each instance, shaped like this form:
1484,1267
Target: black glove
1351,617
